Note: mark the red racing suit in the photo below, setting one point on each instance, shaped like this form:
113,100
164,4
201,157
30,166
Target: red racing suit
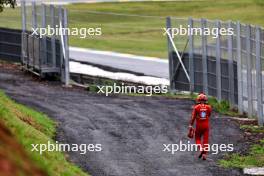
201,114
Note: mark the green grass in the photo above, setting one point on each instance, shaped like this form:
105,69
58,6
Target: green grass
222,107
254,159
255,156
32,127
143,36
252,129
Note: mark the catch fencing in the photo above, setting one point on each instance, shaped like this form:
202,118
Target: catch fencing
228,67
47,54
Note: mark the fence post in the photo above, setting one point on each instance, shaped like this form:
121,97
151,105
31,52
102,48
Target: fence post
191,57
259,78
24,28
66,45
231,67
24,16
239,70
249,71
218,63
34,15
61,45
204,56
53,37
170,54
34,25
44,39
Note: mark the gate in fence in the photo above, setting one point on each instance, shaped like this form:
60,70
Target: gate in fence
229,67
46,52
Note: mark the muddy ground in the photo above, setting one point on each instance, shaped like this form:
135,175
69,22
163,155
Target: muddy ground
132,130
12,154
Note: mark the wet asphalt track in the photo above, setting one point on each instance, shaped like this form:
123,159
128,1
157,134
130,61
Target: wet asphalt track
132,130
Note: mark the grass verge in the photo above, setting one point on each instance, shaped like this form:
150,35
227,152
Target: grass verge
255,156
31,127
143,35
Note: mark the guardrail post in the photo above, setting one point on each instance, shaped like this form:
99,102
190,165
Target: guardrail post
66,43
53,37
259,78
239,69
231,67
191,57
204,56
170,54
249,71
218,63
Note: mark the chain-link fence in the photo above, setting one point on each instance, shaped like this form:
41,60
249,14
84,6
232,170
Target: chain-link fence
48,53
229,67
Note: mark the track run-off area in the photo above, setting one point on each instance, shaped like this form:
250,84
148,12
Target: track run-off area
131,129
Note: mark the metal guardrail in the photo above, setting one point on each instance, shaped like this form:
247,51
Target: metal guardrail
228,67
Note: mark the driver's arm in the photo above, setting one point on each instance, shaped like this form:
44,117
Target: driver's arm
194,113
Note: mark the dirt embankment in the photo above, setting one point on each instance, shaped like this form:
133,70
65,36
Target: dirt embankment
13,158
